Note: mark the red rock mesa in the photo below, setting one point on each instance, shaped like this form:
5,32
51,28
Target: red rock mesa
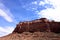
42,25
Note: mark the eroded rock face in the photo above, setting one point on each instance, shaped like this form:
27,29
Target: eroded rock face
42,25
55,27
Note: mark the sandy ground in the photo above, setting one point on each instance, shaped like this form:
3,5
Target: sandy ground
32,36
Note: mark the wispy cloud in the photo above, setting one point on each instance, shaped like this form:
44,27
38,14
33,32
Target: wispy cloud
5,13
31,6
36,5
5,30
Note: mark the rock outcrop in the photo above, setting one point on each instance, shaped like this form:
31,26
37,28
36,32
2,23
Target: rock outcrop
39,29
42,25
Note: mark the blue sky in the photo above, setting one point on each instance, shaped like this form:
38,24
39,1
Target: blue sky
14,11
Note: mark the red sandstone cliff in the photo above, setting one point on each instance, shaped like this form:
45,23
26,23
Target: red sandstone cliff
42,25
39,29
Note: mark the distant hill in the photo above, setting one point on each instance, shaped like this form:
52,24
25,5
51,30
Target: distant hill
39,29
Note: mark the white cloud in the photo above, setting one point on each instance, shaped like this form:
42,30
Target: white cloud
5,13
51,13
35,2
5,16
5,31
41,3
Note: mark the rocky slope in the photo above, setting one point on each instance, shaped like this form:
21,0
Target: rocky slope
39,29
32,36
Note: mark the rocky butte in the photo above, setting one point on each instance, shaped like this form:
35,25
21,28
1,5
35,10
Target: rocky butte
41,25
39,29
